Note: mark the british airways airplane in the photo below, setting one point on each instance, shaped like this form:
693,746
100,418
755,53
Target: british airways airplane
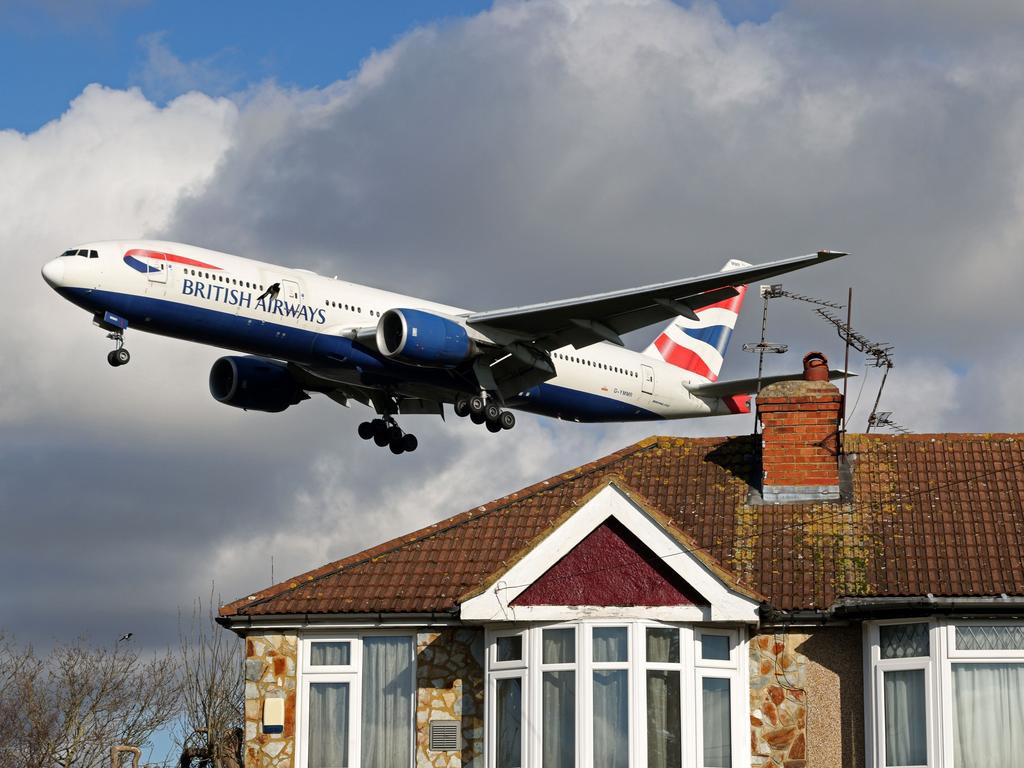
301,333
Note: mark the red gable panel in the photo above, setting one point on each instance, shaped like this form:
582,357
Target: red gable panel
610,566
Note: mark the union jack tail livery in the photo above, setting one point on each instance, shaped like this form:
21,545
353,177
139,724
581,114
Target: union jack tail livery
698,346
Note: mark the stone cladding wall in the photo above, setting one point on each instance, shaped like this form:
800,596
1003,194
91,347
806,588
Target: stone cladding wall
269,673
778,703
450,686
806,699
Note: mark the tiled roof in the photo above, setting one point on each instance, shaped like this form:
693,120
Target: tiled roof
929,514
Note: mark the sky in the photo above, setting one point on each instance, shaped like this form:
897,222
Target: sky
483,156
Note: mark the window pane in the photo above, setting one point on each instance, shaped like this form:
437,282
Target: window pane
664,742
611,644
559,646
905,727
988,715
714,647
559,724
328,725
903,641
387,702
663,645
508,728
337,654
990,637
611,718
717,730
510,648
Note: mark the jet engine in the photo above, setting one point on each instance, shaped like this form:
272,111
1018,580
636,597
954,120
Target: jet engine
254,384
423,338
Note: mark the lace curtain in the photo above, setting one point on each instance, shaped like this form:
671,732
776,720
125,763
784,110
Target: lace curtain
988,715
328,725
905,718
387,702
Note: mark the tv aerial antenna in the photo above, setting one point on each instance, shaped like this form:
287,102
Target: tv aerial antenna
879,355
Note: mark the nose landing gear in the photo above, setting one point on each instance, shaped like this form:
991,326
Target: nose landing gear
385,432
119,355
481,411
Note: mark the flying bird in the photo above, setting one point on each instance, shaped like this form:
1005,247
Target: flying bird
125,636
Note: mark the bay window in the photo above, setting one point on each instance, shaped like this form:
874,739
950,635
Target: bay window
947,693
624,694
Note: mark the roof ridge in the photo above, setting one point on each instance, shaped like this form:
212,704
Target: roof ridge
442,526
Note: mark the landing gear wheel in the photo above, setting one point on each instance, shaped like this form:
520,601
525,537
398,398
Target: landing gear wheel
122,356
492,412
461,406
477,418
366,430
381,430
410,443
477,404
394,434
493,426
396,446
507,420
112,358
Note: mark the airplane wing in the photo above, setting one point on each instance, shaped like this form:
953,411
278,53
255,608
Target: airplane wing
526,334
749,386
606,316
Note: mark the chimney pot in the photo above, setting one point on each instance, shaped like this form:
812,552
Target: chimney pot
815,367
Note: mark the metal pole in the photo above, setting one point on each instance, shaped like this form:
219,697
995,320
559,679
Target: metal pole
760,353
878,399
846,363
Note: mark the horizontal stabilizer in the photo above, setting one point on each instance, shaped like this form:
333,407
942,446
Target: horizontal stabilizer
749,386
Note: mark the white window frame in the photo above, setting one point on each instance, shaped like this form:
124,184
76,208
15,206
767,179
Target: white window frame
352,674
735,671
938,666
691,670
492,650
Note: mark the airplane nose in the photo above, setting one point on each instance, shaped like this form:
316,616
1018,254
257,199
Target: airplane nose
53,272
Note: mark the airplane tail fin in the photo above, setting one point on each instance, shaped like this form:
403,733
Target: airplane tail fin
698,346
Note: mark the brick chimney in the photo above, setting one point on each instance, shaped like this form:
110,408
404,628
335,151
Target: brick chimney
800,436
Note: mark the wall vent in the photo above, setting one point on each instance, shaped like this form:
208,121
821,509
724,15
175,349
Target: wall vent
444,735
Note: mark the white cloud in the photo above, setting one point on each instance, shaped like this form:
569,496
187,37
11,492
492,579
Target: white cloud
113,165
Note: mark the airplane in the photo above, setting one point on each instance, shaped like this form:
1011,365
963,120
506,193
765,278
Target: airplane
300,332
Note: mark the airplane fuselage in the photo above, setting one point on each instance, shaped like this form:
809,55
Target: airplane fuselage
213,298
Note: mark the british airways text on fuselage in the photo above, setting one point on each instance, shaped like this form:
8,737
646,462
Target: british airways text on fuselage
241,297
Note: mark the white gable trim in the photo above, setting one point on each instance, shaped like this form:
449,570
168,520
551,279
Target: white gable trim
494,603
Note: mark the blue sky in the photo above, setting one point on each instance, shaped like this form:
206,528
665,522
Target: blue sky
54,49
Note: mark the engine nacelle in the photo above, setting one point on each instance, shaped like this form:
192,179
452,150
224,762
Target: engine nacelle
254,384
423,338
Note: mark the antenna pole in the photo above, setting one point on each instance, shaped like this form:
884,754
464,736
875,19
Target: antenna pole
760,351
846,364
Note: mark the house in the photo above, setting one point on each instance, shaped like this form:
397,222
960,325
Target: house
764,600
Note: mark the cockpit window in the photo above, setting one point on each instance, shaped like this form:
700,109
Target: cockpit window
85,253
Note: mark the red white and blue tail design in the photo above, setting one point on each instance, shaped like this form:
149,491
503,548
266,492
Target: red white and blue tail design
698,346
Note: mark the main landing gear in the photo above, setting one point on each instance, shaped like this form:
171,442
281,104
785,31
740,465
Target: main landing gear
119,355
387,432
481,411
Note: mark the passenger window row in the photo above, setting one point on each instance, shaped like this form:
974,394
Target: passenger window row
592,364
224,279
349,307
